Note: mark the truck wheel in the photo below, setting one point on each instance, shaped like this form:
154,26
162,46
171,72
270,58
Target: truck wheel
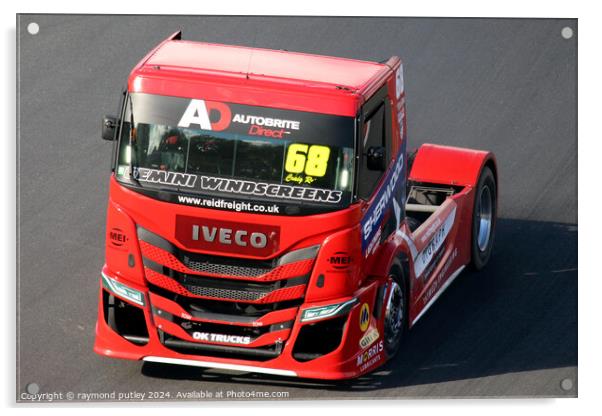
395,324
484,216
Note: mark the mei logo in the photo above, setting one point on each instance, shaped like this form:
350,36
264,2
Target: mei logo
227,236
341,260
200,112
117,237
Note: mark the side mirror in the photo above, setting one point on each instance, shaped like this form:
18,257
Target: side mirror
375,156
109,127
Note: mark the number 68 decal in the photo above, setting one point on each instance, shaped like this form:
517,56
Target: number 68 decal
313,160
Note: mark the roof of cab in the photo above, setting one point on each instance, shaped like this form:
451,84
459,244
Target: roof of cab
349,73
277,67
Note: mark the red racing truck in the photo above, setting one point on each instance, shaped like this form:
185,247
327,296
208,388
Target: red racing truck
264,215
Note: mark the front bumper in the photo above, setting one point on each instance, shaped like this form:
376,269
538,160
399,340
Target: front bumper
347,360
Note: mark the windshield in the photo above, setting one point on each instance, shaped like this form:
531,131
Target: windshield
220,155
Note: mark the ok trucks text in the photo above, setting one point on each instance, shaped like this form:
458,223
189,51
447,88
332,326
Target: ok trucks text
264,215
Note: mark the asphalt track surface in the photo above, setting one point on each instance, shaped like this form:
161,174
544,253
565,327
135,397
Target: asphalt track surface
498,84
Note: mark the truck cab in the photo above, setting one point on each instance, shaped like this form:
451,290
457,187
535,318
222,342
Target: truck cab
262,216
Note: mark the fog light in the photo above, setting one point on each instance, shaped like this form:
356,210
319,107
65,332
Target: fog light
328,311
122,290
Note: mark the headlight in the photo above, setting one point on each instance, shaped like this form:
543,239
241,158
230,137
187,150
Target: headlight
328,311
122,290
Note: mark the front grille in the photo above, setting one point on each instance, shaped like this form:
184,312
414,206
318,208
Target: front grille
226,290
252,331
205,267
235,312
223,295
238,290
187,262
219,266
212,292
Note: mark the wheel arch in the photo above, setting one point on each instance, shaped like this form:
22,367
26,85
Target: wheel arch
394,257
491,163
402,262
451,165
400,267
391,253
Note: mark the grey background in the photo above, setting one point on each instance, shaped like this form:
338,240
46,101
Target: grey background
499,84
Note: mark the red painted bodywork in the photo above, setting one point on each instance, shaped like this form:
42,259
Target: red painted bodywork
449,165
291,81
250,76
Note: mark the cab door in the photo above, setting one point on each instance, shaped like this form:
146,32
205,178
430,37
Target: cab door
380,180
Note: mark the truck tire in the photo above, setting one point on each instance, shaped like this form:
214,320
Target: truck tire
484,218
396,312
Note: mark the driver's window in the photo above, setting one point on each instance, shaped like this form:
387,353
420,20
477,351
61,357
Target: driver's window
165,146
373,135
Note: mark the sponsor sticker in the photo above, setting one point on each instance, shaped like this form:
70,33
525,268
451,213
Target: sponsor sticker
434,262
340,261
399,88
164,177
266,122
198,113
304,163
389,191
369,338
225,339
245,187
364,317
117,237
232,186
231,205
399,81
373,245
370,357
427,254
440,276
